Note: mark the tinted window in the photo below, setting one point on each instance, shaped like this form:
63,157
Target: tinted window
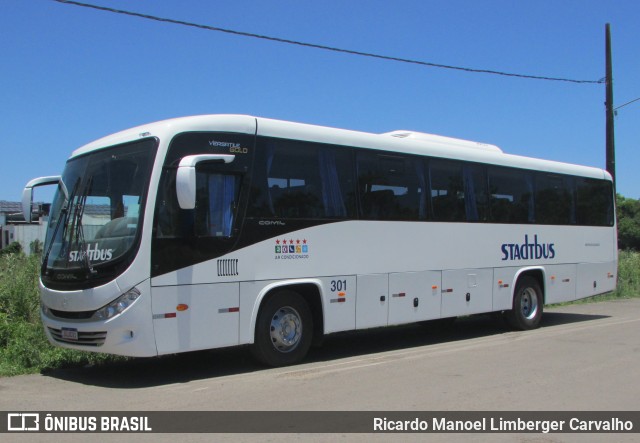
301,180
554,199
475,189
391,187
511,194
447,190
594,202
217,203
212,189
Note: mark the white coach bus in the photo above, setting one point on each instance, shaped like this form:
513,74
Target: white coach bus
214,231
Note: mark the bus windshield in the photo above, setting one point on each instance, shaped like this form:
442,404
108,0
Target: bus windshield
99,223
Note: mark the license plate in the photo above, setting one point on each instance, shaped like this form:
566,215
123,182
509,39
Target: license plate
70,334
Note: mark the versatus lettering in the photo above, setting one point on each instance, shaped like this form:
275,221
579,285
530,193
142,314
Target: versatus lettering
234,148
529,250
218,144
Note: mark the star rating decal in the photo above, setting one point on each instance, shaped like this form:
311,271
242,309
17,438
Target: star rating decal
290,248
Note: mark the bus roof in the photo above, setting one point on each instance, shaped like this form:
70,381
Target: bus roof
396,141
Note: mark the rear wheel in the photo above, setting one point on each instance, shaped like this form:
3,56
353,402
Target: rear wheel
527,304
284,330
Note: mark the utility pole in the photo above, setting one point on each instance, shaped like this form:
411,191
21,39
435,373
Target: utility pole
610,144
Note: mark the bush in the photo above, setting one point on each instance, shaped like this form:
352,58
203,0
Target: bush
628,223
36,247
24,347
19,297
12,248
628,275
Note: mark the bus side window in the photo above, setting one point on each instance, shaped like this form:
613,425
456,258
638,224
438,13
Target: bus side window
447,191
594,202
391,187
476,199
217,201
554,199
301,180
511,193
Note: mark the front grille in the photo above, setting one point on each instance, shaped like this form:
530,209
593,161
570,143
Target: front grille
71,315
84,338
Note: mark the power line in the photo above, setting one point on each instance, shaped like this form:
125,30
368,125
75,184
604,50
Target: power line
627,103
326,48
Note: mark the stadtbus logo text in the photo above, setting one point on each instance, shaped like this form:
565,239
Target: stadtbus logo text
94,254
535,250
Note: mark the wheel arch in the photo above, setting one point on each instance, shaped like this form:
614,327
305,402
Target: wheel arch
309,289
536,272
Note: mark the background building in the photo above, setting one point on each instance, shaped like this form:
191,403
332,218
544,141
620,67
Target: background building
13,227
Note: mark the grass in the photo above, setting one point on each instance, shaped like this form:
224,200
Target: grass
24,348
628,275
628,279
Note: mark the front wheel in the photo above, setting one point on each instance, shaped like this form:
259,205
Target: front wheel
284,330
527,304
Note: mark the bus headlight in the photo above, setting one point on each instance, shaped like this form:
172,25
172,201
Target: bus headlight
117,306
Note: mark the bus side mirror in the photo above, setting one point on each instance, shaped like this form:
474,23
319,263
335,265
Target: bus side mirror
27,193
186,176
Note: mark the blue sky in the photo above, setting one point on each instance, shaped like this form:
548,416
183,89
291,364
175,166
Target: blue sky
70,74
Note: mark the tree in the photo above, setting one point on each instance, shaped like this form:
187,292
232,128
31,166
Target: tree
628,223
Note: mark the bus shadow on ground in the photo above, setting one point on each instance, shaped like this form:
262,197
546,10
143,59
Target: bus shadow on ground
137,373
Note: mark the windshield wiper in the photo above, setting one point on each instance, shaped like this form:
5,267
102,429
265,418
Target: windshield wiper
78,231
62,221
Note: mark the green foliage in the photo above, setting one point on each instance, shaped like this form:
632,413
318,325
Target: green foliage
23,345
19,296
628,223
628,275
36,247
628,279
12,248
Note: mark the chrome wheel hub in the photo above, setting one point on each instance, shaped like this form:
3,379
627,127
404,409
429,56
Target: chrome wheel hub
286,329
529,303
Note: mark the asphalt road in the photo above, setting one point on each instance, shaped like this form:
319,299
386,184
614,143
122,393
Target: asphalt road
584,357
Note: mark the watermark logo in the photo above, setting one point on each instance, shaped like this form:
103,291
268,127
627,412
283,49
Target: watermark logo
75,422
25,421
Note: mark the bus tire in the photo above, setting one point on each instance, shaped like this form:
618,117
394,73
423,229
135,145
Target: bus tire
284,330
527,304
